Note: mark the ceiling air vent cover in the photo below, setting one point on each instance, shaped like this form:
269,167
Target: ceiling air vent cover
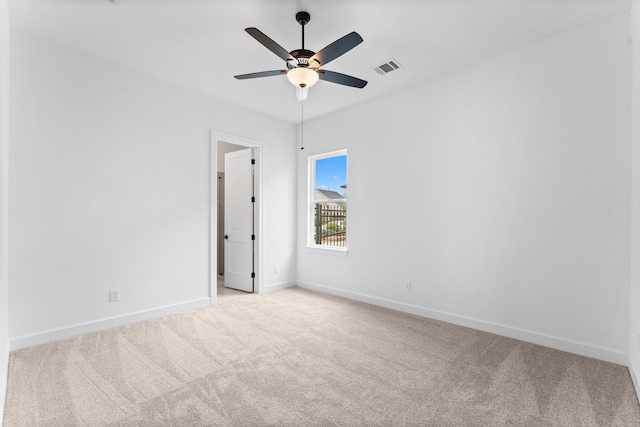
387,67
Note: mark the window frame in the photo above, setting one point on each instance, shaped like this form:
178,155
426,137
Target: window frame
311,201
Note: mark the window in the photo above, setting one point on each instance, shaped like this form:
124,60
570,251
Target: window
328,200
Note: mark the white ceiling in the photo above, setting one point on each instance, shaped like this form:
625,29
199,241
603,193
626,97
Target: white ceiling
201,44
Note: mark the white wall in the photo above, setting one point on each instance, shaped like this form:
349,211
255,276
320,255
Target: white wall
110,189
500,190
634,298
4,199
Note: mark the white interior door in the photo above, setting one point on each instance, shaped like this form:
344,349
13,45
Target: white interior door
238,220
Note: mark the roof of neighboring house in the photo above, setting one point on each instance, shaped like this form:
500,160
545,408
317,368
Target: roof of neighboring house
328,194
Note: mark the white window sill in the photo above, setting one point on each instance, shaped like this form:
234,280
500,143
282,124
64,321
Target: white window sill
328,251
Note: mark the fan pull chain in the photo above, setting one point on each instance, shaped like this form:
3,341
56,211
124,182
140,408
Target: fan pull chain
302,124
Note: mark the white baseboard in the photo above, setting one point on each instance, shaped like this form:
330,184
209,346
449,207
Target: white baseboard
557,343
4,376
634,371
277,286
102,324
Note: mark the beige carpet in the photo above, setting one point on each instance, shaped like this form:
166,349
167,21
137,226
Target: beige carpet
226,293
297,358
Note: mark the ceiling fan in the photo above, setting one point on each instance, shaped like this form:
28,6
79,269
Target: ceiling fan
303,65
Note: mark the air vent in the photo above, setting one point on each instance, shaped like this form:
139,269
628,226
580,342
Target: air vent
387,67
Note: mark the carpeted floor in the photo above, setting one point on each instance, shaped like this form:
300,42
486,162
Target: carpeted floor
298,358
227,293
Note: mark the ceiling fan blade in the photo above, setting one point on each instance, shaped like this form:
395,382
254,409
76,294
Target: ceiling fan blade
341,79
260,74
337,48
270,44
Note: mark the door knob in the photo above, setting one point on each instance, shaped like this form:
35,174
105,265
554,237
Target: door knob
226,237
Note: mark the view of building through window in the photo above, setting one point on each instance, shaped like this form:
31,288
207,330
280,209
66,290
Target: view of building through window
329,200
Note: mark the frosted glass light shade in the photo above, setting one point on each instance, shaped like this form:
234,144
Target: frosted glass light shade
302,77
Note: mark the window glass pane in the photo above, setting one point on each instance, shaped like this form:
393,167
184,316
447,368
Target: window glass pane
329,207
330,224
331,177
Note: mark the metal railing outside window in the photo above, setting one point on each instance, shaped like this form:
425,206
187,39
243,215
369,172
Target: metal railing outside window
330,224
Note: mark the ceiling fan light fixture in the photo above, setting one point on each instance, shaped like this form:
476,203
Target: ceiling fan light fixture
303,77
303,65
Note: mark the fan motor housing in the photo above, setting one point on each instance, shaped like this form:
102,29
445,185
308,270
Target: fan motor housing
302,56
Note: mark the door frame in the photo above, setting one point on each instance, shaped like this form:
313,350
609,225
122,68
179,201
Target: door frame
216,137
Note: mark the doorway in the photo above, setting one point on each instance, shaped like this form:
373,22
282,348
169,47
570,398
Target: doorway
237,258
223,292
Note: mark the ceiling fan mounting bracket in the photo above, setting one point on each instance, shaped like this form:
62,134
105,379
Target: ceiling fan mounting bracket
303,18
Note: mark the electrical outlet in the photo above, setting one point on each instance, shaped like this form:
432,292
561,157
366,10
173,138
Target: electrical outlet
114,295
275,269
407,286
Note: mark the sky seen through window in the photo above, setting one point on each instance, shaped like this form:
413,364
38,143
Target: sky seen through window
331,173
